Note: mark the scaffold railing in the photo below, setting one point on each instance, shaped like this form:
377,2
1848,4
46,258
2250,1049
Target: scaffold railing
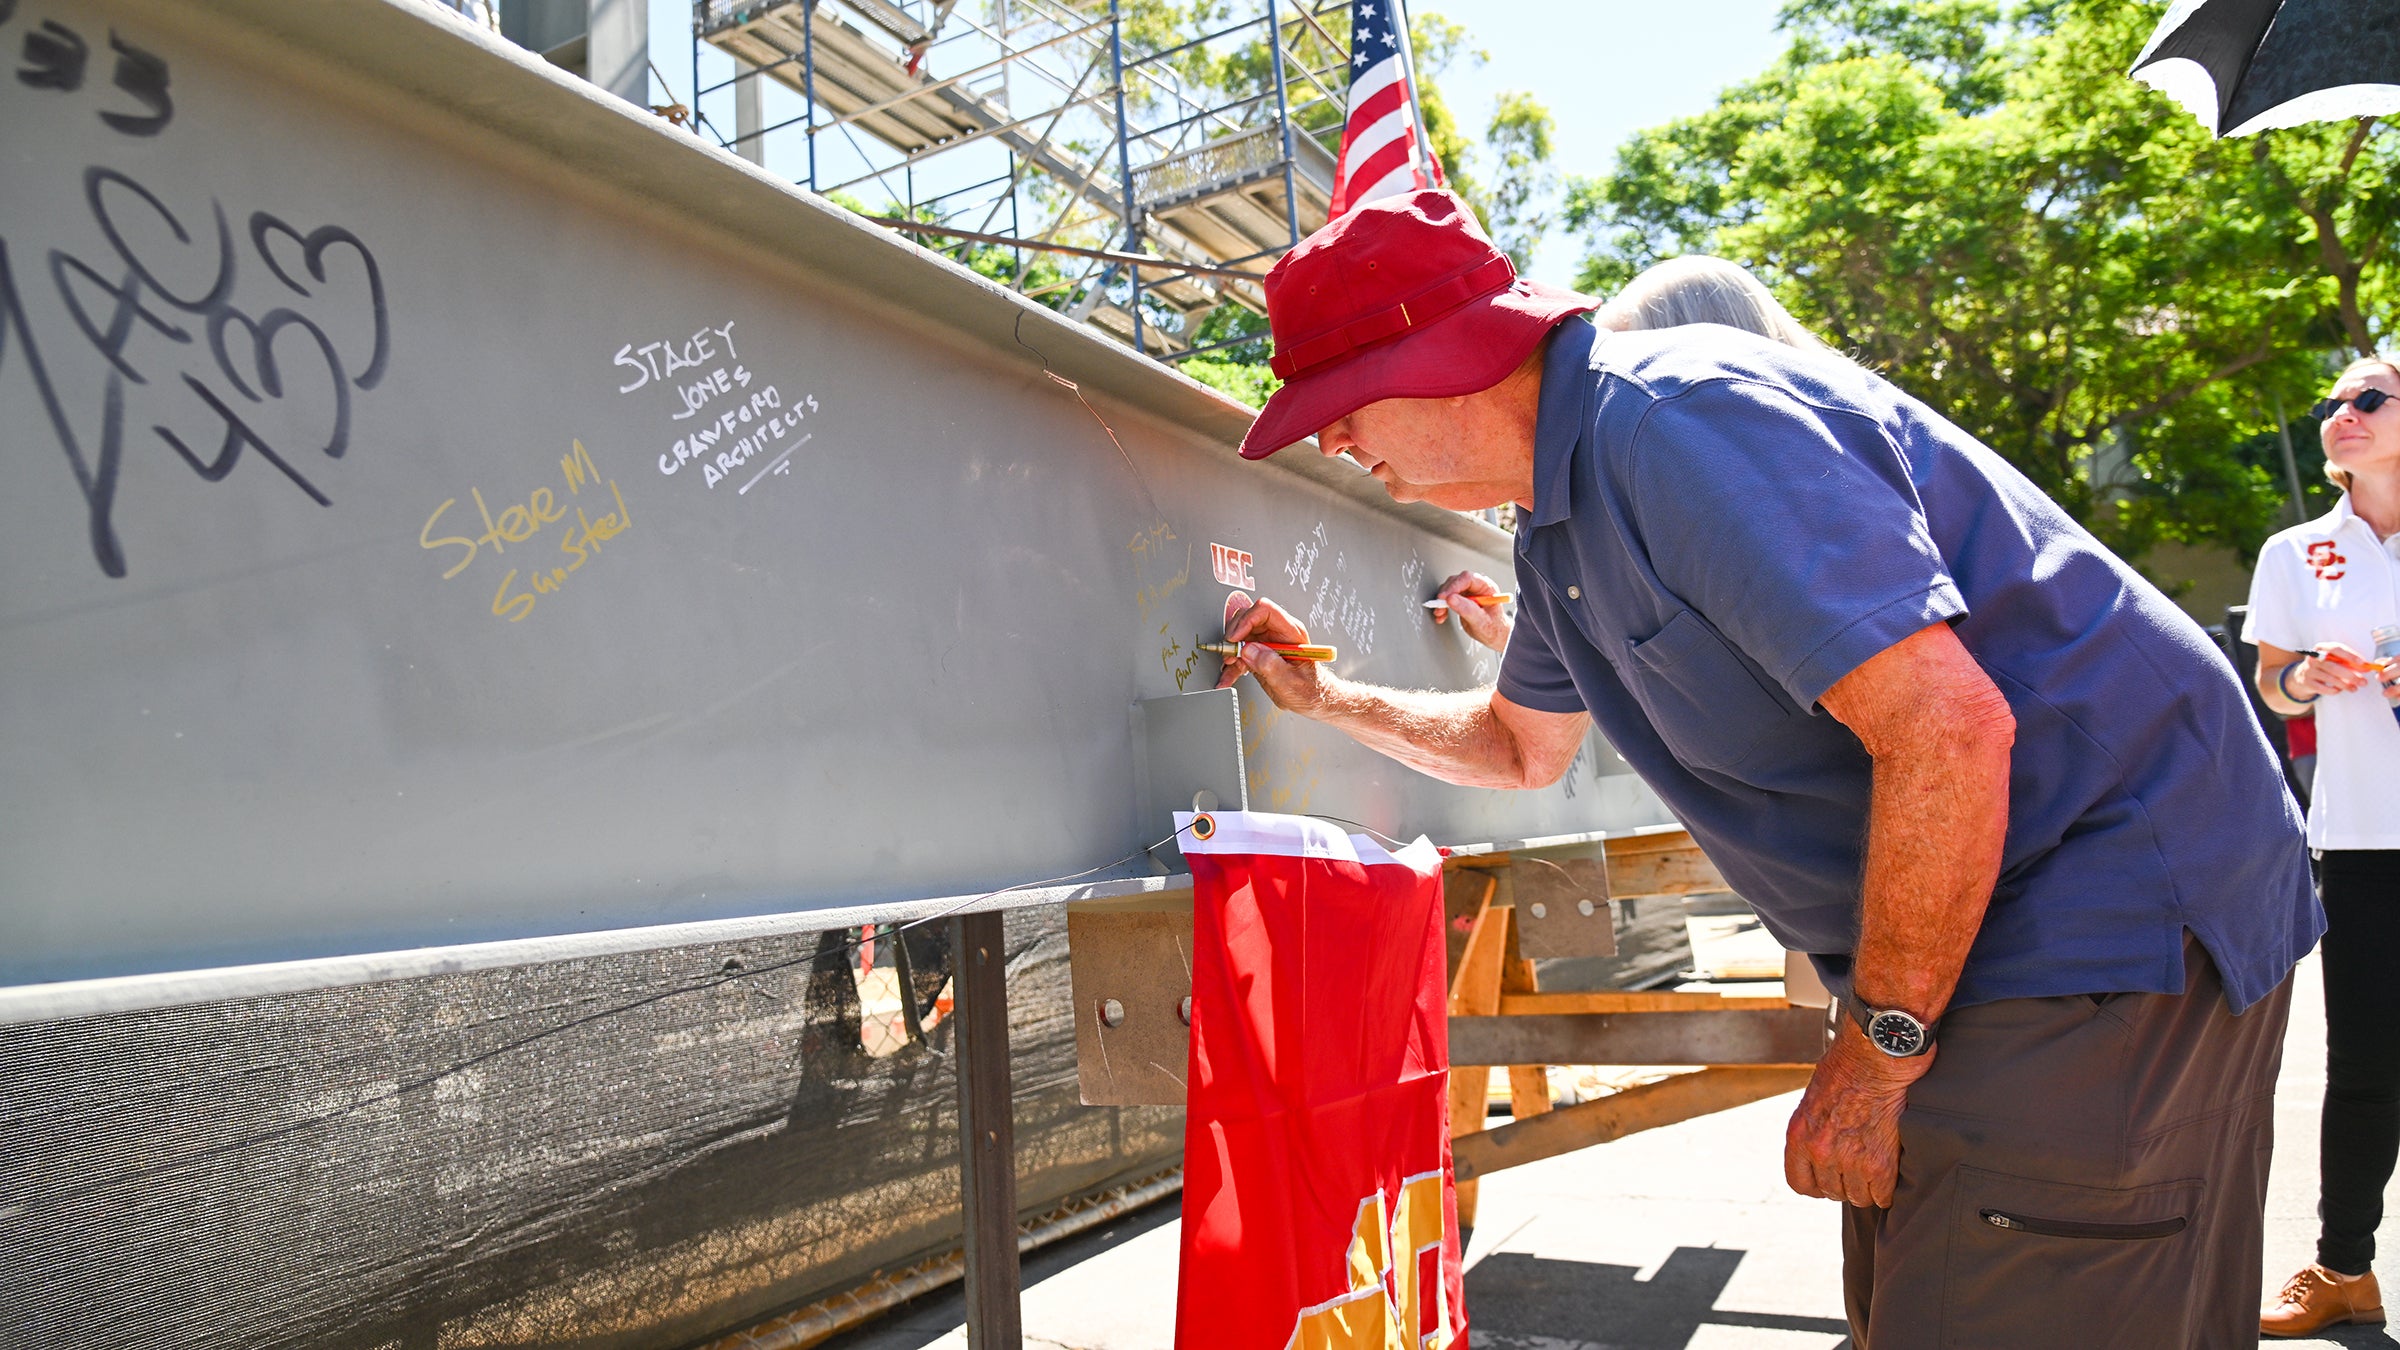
1041,143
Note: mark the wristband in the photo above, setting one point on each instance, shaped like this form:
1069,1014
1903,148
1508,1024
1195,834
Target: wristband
2285,674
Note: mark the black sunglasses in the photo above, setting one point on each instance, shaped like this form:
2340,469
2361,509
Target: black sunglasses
2366,401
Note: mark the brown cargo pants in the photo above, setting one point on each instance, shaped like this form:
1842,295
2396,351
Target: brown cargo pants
2080,1173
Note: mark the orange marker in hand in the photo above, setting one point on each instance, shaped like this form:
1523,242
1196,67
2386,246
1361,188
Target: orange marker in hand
2364,665
1289,651
1487,601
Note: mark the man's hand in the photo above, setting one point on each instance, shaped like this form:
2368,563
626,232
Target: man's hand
1939,732
1294,686
1844,1141
1484,623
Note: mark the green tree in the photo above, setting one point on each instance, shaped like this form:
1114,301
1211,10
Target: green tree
1518,209
1977,201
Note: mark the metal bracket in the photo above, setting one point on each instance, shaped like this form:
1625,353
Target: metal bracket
1187,756
1562,903
1130,968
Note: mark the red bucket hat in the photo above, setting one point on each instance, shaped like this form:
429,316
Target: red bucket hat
1402,298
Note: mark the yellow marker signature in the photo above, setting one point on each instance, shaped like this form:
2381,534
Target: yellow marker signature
1149,549
516,524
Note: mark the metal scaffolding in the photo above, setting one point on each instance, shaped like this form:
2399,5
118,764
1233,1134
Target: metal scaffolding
1044,143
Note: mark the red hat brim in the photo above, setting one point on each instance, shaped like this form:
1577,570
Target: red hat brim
1465,351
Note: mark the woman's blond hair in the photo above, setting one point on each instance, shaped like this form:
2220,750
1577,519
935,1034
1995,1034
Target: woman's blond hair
2338,476
1697,288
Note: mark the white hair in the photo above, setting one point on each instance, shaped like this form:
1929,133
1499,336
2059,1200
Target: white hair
1697,288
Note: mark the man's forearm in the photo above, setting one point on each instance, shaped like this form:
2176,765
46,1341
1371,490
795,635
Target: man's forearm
1455,737
1937,824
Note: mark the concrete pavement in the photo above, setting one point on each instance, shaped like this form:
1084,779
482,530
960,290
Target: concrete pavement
1682,1238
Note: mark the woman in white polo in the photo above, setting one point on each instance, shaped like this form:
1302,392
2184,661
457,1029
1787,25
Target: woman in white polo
2322,591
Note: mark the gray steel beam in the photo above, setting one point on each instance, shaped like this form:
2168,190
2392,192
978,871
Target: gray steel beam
618,57
271,703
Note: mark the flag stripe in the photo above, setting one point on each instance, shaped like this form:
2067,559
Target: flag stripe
1383,150
1374,136
1385,74
1404,177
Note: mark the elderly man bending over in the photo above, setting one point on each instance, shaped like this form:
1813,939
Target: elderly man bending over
2008,798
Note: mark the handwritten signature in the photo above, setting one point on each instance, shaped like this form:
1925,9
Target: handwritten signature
518,523
162,303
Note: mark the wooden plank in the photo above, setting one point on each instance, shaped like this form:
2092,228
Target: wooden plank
1135,965
1666,1102
1475,992
1628,1001
987,1172
1528,1084
1660,864
1562,905
1753,1036
1528,1090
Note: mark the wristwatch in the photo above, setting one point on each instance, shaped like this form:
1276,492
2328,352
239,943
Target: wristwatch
1895,1033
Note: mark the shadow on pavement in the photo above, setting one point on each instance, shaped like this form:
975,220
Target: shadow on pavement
1521,1302
2350,1338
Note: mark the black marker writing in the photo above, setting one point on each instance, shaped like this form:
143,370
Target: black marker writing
167,288
56,58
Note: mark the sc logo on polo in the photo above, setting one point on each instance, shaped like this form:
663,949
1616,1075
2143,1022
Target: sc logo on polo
2326,561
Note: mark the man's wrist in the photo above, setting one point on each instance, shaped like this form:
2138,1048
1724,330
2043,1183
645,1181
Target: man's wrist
1899,1028
1869,1067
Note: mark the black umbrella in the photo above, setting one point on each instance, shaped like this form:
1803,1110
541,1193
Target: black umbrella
2248,65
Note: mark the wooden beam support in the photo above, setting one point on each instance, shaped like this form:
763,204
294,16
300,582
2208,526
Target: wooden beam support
1752,1036
1475,992
1659,864
1528,1084
1629,1001
1666,1102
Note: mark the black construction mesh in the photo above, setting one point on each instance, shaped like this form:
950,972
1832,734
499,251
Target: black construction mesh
301,1170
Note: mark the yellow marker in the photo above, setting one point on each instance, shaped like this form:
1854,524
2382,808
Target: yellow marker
1289,651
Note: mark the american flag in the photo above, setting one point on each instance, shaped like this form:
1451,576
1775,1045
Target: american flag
1383,150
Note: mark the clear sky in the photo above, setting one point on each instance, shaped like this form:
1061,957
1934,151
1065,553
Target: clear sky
1605,68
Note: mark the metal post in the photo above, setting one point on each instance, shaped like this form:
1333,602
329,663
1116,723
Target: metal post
2291,464
808,82
1016,228
749,115
987,1175
1416,106
1283,117
1133,233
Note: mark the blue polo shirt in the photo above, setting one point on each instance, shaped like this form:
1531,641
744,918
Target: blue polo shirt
1723,527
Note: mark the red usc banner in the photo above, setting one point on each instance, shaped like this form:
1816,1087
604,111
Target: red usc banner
1317,1203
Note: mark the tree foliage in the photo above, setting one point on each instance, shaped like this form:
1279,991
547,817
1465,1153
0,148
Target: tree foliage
1976,201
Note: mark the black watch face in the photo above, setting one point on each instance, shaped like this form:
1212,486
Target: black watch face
1896,1034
